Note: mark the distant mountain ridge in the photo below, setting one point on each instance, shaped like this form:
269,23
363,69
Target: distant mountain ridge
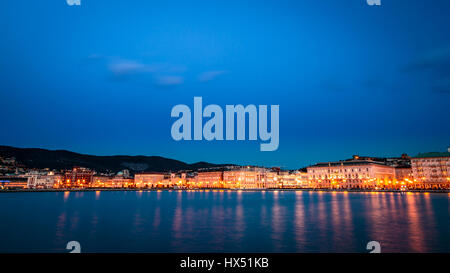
62,159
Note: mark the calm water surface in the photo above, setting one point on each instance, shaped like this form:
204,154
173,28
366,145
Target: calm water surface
224,221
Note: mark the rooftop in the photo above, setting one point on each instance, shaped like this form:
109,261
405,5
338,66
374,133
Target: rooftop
348,163
433,154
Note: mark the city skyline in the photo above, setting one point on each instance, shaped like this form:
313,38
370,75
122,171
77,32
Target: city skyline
426,171
347,157
102,77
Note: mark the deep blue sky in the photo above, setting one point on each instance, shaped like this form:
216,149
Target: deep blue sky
102,78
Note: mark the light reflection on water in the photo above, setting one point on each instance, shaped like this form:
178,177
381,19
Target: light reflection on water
224,221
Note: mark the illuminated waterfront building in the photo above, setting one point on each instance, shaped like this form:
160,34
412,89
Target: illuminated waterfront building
149,180
287,180
271,180
48,181
177,180
112,182
293,180
403,173
210,179
13,182
404,177
356,173
245,178
120,182
431,170
191,181
237,178
100,181
78,177
302,179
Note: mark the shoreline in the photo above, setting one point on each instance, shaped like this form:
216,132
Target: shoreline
219,189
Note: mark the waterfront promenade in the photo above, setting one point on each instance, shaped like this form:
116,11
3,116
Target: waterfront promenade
233,190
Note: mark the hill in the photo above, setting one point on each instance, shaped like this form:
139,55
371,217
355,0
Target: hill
62,159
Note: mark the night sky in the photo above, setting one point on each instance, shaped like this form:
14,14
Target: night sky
102,78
